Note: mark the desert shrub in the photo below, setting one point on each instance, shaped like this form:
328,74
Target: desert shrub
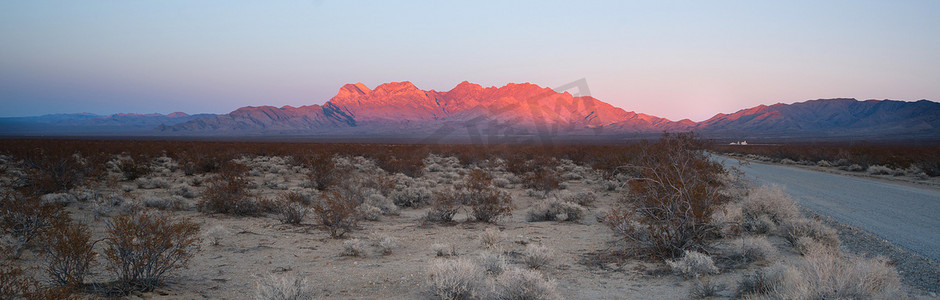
555,210
537,256
386,244
215,234
69,253
149,183
336,212
502,182
543,179
324,172
383,203
56,169
411,197
443,249
491,237
284,288
444,206
522,284
882,170
492,262
227,192
693,264
670,208
291,207
142,248
488,204
823,274
165,203
456,279
753,249
132,170
777,280
369,212
27,218
705,287
354,247
728,218
795,229
765,208
582,198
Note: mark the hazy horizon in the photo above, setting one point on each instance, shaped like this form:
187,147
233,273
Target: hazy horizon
680,60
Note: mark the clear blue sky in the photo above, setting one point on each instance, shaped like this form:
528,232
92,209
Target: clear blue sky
670,59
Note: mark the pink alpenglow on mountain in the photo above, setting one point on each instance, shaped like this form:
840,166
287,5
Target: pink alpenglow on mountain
402,107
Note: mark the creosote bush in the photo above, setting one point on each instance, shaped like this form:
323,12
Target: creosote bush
670,206
227,192
291,207
68,249
143,248
336,212
27,218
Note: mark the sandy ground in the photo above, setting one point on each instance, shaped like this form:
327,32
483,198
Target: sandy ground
252,247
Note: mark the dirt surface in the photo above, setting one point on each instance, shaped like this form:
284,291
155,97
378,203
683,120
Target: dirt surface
901,213
588,261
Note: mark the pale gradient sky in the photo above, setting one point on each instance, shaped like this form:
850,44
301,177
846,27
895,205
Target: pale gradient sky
673,59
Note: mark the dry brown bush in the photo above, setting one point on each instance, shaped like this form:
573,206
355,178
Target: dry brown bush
543,179
324,173
69,253
143,248
291,207
670,208
227,192
27,217
444,205
336,212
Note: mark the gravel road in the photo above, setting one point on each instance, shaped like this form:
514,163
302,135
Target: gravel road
903,214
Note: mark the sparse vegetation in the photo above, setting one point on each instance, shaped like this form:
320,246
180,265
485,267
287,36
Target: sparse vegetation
143,248
284,288
693,264
673,199
342,185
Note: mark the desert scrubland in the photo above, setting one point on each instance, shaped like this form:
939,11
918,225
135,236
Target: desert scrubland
186,219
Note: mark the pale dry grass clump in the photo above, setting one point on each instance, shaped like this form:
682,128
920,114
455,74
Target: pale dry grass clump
444,249
705,287
753,249
457,278
523,284
284,288
693,264
491,237
492,262
823,273
537,256
795,229
556,210
767,207
386,244
354,247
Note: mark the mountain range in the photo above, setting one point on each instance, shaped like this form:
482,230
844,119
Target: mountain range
399,109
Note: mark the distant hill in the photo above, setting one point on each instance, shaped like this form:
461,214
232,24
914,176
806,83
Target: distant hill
399,109
92,124
830,118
